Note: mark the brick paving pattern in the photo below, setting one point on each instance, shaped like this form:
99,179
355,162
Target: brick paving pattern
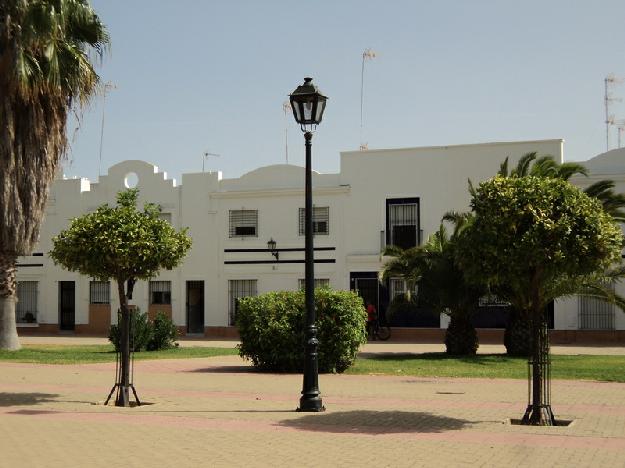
219,412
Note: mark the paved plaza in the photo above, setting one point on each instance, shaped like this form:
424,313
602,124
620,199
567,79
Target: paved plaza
219,412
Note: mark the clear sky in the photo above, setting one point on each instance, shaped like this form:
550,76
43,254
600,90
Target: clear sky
194,76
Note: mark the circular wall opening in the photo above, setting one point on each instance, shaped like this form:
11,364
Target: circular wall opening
131,180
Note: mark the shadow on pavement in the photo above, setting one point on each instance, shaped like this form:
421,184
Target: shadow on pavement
375,422
19,399
235,369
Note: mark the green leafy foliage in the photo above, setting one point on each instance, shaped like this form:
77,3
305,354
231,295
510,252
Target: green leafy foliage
272,329
533,238
147,335
164,333
140,331
442,284
120,242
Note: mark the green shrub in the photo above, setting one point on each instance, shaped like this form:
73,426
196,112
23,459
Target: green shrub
140,331
164,333
146,335
272,329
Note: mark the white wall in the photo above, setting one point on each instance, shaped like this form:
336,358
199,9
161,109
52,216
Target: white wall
356,197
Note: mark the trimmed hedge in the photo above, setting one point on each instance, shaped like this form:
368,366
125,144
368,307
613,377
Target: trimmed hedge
272,329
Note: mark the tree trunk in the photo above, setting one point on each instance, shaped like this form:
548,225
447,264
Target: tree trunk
537,374
461,337
8,298
123,395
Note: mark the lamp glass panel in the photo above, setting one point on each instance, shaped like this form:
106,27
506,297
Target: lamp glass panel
320,108
308,111
297,112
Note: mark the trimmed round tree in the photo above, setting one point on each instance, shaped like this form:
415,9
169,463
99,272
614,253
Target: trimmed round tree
125,245
534,240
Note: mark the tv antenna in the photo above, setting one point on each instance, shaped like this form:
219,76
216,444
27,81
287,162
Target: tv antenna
368,54
108,86
620,127
609,82
206,155
286,107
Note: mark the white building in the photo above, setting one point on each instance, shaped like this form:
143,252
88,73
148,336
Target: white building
379,196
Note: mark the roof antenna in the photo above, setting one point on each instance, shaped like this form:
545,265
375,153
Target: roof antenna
106,88
367,54
206,155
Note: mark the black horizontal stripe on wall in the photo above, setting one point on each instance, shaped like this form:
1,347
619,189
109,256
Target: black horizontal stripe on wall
38,254
256,262
297,249
20,265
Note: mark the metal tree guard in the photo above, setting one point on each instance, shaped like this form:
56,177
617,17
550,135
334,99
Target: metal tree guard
538,412
118,364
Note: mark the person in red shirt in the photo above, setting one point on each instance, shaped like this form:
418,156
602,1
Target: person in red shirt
372,316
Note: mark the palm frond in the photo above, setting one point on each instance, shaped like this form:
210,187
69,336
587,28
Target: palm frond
503,168
523,166
544,166
569,169
599,187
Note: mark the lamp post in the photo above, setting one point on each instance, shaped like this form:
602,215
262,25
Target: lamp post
308,105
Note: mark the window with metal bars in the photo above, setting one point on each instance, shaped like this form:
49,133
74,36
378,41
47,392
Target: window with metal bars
319,283
595,314
398,287
402,222
160,292
99,292
243,223
236,290
26,307
321,220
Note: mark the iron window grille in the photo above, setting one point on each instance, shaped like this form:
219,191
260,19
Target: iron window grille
490,300
238,289
160,292
402,222
321,220
26,308
595,313
99,292
319,283
398,287
243,223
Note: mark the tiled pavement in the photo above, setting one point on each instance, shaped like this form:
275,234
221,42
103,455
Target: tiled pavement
217,412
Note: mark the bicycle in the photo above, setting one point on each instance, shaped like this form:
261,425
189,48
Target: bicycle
378,332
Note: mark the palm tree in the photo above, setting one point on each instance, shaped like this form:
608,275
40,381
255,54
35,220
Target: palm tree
547,166
441,283
45,72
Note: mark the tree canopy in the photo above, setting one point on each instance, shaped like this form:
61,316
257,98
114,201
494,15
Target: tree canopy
532,235
120,242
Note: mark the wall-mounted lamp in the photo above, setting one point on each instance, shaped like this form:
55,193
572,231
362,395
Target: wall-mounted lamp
271,245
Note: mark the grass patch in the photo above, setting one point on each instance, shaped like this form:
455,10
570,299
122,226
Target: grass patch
497,366
71,354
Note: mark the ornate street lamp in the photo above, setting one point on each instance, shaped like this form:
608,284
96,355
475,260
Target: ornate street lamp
308,105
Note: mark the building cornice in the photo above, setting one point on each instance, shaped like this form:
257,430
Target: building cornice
280,192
